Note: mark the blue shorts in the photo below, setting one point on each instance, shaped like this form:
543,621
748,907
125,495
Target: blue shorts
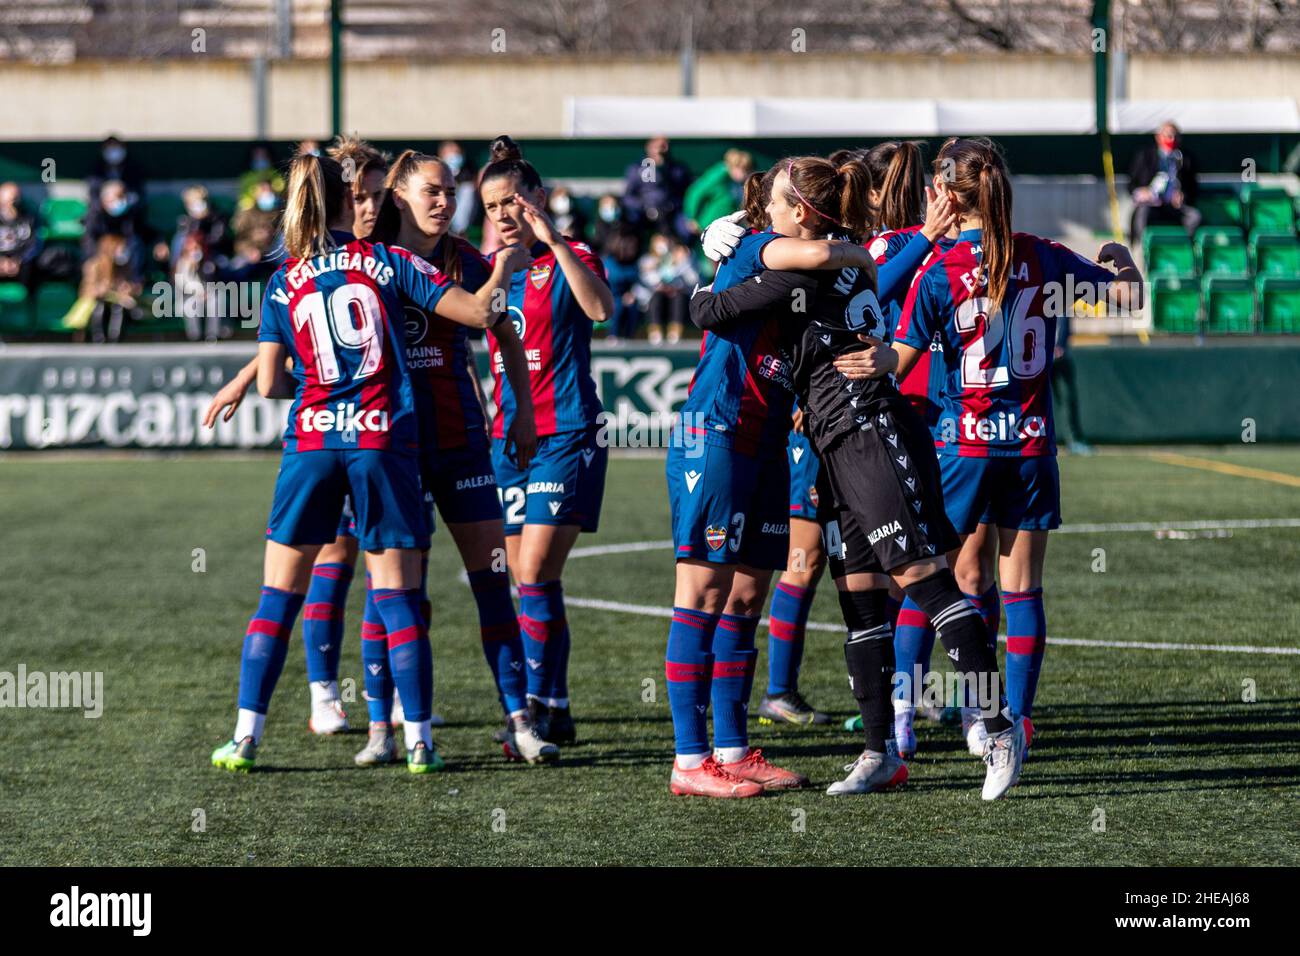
729,508
563,484
1023,493
803,477
384,488
463,483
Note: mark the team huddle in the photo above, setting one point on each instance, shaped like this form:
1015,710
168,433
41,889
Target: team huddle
872,394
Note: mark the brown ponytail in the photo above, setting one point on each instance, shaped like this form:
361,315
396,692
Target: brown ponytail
975,172
757,188
315,199
837,195
897,169
507,159
388,221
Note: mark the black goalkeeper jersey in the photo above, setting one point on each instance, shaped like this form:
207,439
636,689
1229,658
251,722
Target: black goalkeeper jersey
820,314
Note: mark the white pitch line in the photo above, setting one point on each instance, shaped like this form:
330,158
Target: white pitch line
648,610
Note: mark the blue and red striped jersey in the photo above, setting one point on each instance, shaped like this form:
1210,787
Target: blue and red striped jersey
438,354
997,396
741,395
557,342
340,316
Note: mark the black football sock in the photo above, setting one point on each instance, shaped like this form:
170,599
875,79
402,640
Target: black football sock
965,637
869,654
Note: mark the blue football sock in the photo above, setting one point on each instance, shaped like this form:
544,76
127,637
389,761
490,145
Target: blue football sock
322,620
688,666
1026,642
499,630
733,679
374,658
410,657
787,624
913,641
266,644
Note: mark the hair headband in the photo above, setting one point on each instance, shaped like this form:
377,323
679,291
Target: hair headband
789,174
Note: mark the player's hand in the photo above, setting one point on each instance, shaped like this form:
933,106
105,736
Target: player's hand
230,397
875,361
796,421
940,215
521,441
721,237
1117,253
1143,194
543,228
516,257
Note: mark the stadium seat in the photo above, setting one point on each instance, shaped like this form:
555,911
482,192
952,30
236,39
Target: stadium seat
15,308
1220,208
1229,305
1275,255
1279,304
1167,251
1175,305
1221,250
62,219
162,212
1270,209
53,300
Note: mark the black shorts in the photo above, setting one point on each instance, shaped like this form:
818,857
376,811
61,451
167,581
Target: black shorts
881,497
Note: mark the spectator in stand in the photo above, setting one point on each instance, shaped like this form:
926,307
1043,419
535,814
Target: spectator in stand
719,191
18,243
260,170
620,248
115,211
200,247
655,190
256,235
667,278
1164,184
468,210
110,292
566,214
114,164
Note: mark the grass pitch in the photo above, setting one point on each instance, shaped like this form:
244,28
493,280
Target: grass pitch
1156,743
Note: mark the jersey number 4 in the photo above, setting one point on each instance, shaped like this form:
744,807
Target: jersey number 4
1026,344
351,316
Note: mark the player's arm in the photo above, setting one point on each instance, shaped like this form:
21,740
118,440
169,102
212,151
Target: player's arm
717,311
521,436
231,395
484,308
1126,288
586,278
273,378
789,253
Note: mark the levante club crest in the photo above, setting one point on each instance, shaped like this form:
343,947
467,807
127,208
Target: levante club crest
538,275
715,536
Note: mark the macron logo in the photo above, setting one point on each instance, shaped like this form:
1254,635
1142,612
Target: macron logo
554,506
692,479
103,909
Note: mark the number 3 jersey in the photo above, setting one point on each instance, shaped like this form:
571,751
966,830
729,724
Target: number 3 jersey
996,399
341,317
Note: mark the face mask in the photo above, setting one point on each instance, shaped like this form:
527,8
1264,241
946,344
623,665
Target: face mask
455,163
261,163
266,202
197,210
560,205
1166,142
114,155
117,207
608,213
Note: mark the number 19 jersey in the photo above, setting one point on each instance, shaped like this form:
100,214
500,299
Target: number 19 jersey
996,400
340,315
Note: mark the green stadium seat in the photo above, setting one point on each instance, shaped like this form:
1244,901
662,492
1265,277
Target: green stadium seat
161,212
15,308
61,219
1167,251
1270,209
1275,255
1175,305
1221,250
1229,305
1279,304
1220,208
53,300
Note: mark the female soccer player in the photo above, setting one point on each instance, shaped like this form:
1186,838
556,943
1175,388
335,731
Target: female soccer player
728,485
881,501
550,499
992,301
331,309
456,462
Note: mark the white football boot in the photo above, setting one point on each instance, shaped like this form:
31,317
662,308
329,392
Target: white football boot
972,728
522,743
1004,754
869,773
